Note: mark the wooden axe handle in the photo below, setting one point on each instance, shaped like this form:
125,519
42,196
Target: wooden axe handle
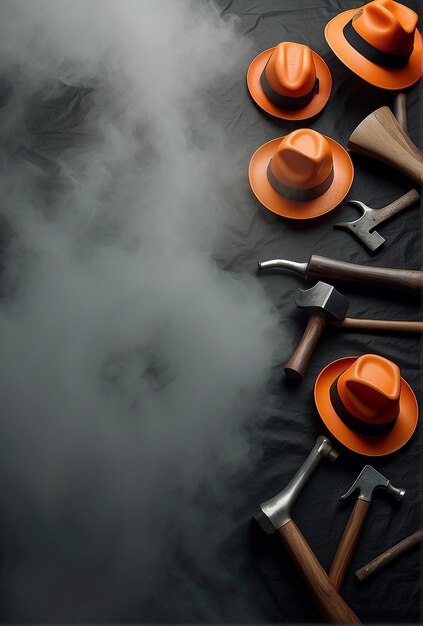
329,602
389,325
348,543
389,555
297,364
325,267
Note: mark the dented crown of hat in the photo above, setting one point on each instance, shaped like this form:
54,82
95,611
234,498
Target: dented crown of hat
289,81
379,42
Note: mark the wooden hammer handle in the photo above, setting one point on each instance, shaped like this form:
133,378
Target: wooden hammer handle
329,602
348,543
396,207
332,269
381,137
389,555
297,364
400,110
389,325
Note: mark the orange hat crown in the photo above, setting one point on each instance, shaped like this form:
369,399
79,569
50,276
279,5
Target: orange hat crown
289,77
366,395
302,166
383,32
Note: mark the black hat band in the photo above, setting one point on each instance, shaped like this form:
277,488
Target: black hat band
299,194
286,102
370,52
364,428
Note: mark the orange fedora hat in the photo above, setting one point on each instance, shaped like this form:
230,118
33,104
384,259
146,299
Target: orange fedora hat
366,405
289,81
379,42
301,175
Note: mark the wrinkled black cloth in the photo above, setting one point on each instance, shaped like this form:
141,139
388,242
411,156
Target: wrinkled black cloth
392,595
267,587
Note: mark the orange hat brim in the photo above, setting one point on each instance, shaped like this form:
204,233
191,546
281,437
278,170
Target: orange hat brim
312,108
295,209
367,446
377,75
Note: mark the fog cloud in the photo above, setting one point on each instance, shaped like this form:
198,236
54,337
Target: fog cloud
130,361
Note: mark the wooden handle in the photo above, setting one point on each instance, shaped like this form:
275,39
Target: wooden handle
329,602
396,207
297,364
400,110
389,555
404,280
348,543
350,323
381,137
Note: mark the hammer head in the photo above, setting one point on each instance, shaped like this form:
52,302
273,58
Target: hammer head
276,512
362,226
368,481
323,298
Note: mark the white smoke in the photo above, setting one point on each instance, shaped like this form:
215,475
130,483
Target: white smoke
130,362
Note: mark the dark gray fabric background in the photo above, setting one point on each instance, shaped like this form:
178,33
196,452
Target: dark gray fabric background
394,594
249,578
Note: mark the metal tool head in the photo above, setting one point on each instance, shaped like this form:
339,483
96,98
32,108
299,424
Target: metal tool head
362,226
368,481
324,298
276,512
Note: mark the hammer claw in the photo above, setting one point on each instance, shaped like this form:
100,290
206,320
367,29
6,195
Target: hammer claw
344,225
359,205
351,490
367,480
363,208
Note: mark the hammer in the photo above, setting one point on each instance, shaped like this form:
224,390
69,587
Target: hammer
274,515
364,227
367,482
327,306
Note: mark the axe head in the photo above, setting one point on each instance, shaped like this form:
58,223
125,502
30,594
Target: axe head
362,227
